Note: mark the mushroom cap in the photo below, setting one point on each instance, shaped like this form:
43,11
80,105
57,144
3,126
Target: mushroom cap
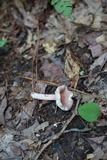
64,98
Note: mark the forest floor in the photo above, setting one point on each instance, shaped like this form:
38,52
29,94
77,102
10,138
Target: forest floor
43,50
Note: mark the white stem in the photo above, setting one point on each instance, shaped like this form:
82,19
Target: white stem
39,96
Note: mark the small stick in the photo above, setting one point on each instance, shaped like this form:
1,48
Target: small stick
41,81
4,30
35,55
54,84
57,136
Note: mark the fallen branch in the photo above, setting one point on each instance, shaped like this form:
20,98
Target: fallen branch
57,136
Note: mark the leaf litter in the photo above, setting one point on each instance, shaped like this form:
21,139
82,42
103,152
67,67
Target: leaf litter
67,46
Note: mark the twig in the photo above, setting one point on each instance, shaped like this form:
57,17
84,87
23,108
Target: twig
53,84
41,81
77,130
57,136
35,55
4,30
71,130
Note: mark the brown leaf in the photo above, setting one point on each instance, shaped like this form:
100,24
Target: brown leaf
96,67
99,61
98,154
2,92
71,65
30,131
30,21
26,113
52,72
3,105
96,50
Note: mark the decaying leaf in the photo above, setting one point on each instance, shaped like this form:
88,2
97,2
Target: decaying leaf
99,61
30,131
52,72
98,151
3,105
30,21
26,113
95,8
102,40
87,39
28,18
2,92
96,50
29,42
98,154
49,44
96,67
81,15
41,126
40,87
57,25
35,128
97,22
71,66
90,156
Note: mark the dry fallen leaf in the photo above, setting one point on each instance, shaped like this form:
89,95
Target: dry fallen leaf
99,61
41,126
87,39
30,131
72,67
34,129
29,42
2,92
98,154
52,72
3,105
28,19
95,143
95,8
60,27
81,15
102,40
96,67
96,50
90,156
40,87
26,113
97,22
49,44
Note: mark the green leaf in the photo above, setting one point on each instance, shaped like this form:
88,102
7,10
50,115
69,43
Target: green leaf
53,2
81,73
3,42
63,6
89,111
67,13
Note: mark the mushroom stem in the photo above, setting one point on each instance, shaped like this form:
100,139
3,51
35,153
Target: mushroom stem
62,96
50,97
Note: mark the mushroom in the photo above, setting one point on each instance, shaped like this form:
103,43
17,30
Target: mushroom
62,96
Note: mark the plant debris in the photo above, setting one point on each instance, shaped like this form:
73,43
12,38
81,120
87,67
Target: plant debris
41,51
